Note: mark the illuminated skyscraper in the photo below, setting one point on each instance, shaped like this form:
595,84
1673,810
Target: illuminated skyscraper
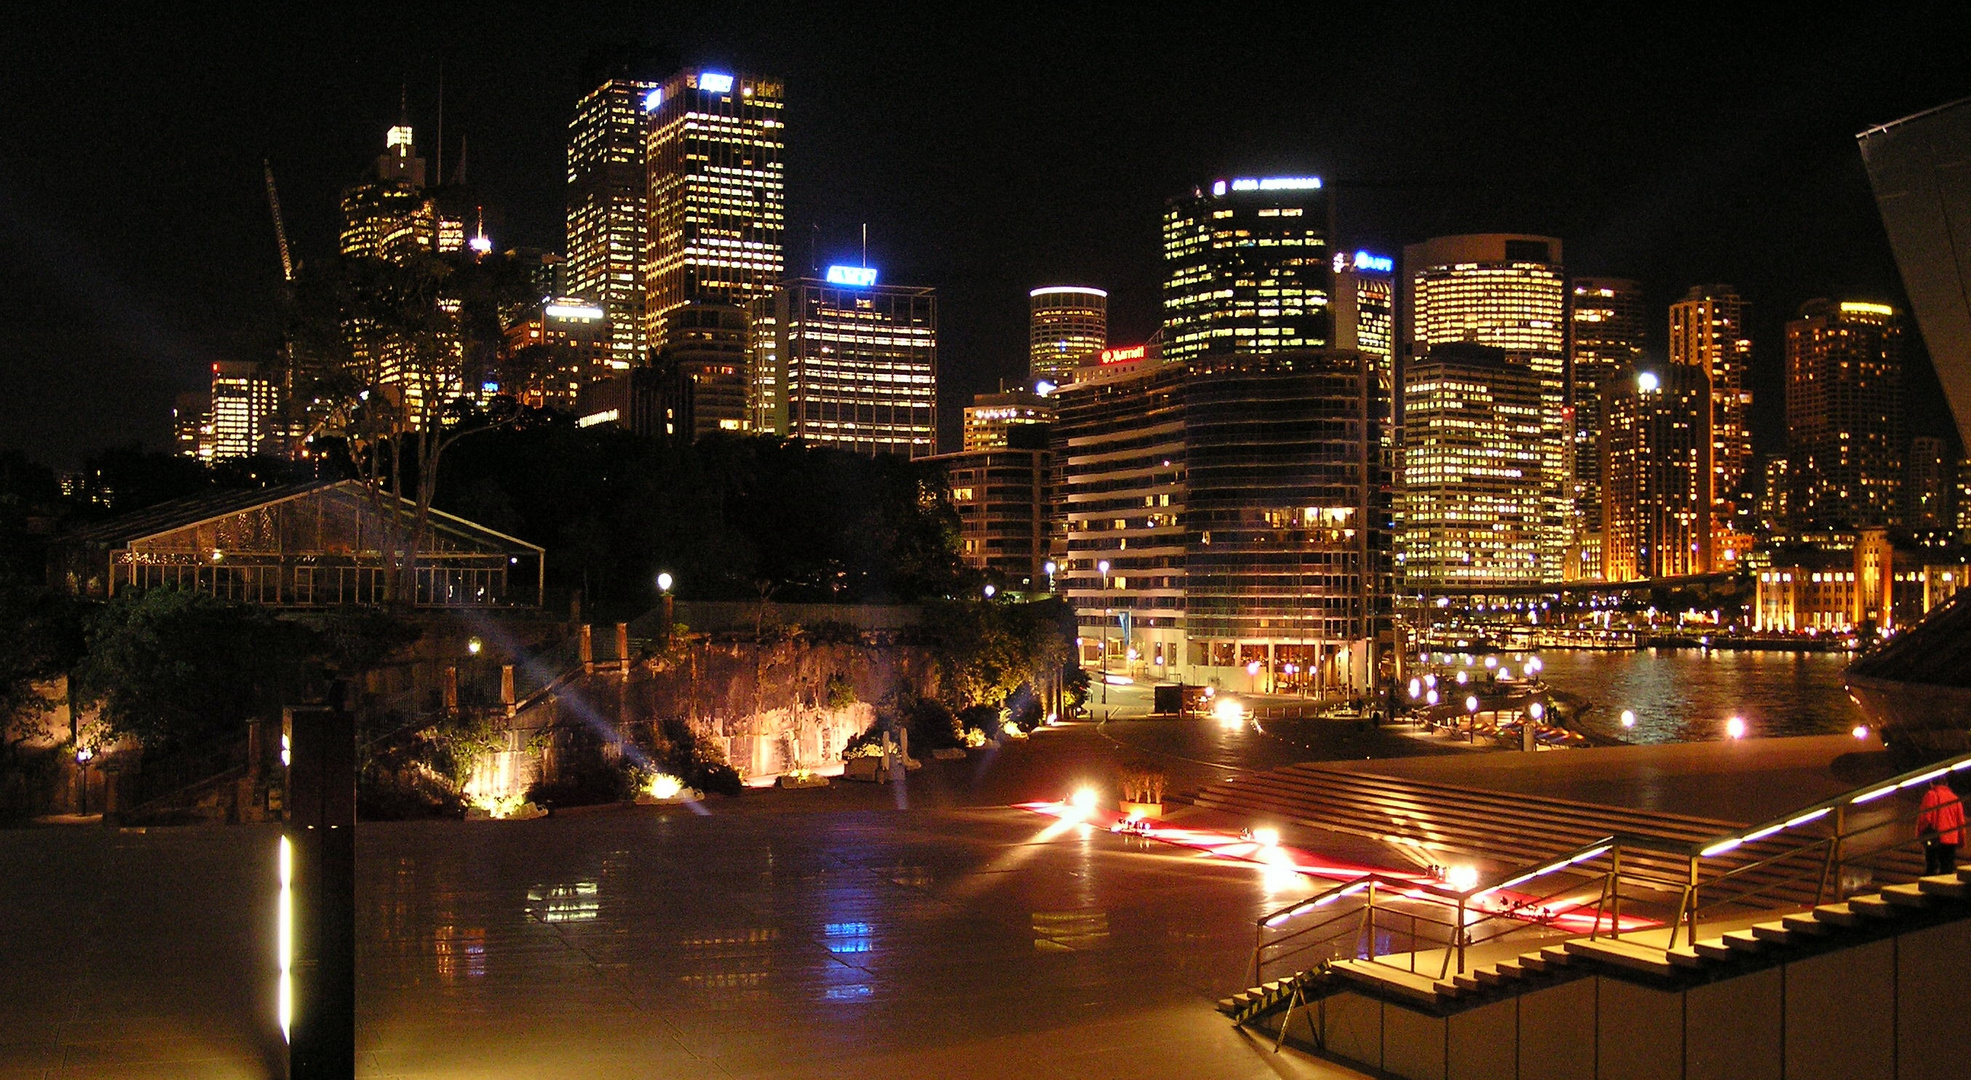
608,215
557,349
717,193
1470,500
1606,339
706,345
856,363
389,213
1069,325
1008,418
1246,268
1709,330
1508,292
1656,473
245,410
1844,413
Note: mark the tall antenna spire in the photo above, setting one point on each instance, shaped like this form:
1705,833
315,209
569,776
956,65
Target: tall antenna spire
865,243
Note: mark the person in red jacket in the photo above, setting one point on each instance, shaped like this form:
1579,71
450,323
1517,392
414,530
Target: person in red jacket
1941,825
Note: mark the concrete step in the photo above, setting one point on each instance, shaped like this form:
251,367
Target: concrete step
1624,954
1873,906
1838,915
1744,941
1778,933
1509,970
1381,977
1715,949
1806,922
1537,964
1556,955
1905,896
1684,957
1489,976
1948,886
1467,983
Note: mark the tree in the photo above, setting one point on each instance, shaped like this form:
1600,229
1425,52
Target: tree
40,640
173,668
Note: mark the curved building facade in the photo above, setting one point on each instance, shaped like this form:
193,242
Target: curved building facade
1070,323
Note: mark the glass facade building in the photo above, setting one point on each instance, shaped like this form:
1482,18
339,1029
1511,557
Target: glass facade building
853,366
1247,268
1656,446
1844,413
608,215
1606,335
1069,324
1710,330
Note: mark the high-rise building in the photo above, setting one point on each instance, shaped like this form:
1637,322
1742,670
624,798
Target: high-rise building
1655,453
717,192
389,213
1775,495
1844,413
1246,268
608,211
554,351
191,425
245,410
1069,324
1930,487
1472,500
1508,292
1225,517
707,346
1710,330
1605,332
1004,498
1365,322
854,364
998,420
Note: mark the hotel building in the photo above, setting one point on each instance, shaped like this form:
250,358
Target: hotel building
1247,268
1605,340
1656,446
1068,325
1844,413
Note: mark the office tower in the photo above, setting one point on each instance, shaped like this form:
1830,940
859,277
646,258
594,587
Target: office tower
1284,518
1473,500
554,351
1119,446
717,198
706,345
1246,268
389,214
1775,495
1710,330
855,363
191,425
1004,497
1365,322
1008,418
1605,324
608,211
1656,446
1069,324
245,411
1929,488
1508,292
1924,193
1844,413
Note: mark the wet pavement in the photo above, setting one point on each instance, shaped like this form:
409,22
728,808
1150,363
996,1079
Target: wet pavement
745,941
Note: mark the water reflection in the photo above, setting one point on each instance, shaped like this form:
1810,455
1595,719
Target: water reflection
577,901
460,952
1070,931
1683,695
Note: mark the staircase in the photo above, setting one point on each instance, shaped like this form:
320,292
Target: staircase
1861,919
1500,828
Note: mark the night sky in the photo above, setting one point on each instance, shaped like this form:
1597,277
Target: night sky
988,153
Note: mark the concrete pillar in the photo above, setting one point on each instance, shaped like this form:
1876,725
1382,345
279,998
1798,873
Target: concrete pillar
588,649
506,688
451,688
623,647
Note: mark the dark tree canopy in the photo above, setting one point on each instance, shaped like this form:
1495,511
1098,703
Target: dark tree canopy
729,516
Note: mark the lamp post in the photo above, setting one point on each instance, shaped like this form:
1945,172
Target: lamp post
664,582
1107,611
1050,568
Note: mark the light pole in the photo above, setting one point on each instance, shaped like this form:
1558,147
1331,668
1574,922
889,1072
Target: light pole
664,582
1107,611
1050,568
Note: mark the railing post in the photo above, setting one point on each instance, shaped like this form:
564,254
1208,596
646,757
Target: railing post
1615,892
1690,928
1458,934
1837,852
1369,919
1258,936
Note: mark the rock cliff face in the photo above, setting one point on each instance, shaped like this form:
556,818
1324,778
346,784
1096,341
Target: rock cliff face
771,707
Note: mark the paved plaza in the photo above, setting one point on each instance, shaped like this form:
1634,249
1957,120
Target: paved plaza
651,942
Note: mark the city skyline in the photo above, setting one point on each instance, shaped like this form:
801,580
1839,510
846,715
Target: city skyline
123,318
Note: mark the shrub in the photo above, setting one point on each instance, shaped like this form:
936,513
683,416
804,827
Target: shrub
932,726
1141,783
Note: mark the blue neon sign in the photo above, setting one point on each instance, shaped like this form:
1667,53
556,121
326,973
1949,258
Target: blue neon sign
653,99
716,82
856,277
1382,264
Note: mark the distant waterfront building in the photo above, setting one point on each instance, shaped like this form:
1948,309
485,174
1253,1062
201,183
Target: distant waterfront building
717,197
1225,517
1710,329
1844,413
992,420
608,210
1068,325
1004,497
854,363
1508,292
191,425
1858,582
1656,474
1776,495
1247,268
1471,502
1606,337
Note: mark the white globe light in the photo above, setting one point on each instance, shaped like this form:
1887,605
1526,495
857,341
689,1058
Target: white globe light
664,582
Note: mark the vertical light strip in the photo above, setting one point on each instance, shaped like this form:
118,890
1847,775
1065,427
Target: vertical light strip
285,948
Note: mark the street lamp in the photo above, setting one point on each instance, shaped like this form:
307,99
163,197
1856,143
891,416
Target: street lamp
989,590
1107,611
664,582
1050,568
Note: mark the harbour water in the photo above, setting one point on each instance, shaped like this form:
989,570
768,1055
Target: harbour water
1685,695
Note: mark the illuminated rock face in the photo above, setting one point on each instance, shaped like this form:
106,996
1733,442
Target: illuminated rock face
1916,689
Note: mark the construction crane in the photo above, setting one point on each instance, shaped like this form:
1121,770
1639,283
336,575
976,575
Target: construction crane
280,228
